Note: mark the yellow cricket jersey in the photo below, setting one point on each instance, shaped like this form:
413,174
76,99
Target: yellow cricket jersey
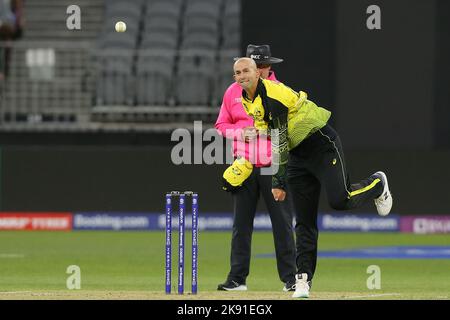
289,115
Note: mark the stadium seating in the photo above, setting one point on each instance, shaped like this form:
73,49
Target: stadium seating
161,24
174,52
114,77
225,72
114,40
194,82
172,63
158,40
231,30
131,10
183,51
115,53
154,75
166,9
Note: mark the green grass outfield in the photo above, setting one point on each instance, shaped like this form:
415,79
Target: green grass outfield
130,265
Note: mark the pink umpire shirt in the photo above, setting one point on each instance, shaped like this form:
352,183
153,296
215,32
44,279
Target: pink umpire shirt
232,119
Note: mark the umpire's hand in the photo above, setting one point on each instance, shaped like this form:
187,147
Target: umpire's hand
279,194
249,133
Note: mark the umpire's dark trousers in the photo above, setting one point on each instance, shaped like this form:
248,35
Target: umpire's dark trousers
319,161
245,203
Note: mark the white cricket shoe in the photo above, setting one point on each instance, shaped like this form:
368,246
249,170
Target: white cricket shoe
301,286
384,201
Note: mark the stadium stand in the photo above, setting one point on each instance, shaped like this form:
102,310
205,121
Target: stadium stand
231,30
46,20
115,55
225,73
194,79
154,76
172,63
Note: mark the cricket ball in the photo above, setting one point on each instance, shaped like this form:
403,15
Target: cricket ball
121,26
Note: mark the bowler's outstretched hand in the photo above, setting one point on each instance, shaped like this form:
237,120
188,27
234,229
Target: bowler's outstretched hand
279,194
249,133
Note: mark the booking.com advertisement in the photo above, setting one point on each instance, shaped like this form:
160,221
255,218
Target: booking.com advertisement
125,221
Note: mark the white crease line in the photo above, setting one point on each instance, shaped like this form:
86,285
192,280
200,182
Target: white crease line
374,295
11,255
35,293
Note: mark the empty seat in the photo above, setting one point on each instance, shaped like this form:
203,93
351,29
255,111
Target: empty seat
130,10
156,40
173,2
135,2
154,74
231,24
166,9
200,41
225,71
195,77
113,70
231,28
153,58
119,60
118,40
161,25
216,2
201,24
203,10
232,6
232,41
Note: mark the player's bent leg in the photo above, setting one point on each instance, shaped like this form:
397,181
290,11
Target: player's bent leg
366,190
342,195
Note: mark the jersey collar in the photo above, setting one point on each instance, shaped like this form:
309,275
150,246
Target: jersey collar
259,89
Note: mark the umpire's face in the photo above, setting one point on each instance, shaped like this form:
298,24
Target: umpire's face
264,70
246,74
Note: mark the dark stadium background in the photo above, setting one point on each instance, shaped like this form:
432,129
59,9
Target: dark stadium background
388,90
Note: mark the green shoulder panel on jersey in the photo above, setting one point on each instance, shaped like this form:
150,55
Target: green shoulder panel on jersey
308,119
304,116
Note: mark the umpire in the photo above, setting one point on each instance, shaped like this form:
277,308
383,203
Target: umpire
235,124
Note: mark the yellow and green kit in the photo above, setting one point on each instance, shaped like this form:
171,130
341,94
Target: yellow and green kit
277,108
309,154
